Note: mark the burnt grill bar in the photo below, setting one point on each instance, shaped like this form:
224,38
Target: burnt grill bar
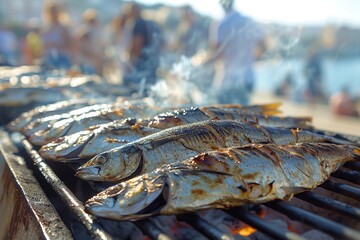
205,227
314,220
262,225
348,175
150,229
331,204
353,166
342,188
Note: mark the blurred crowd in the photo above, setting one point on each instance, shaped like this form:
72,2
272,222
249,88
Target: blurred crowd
139,46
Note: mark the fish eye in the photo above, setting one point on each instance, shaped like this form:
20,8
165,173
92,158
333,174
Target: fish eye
101,159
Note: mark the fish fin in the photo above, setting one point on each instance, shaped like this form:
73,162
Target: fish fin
294,190
356,153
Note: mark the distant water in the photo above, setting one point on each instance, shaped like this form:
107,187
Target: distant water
336,75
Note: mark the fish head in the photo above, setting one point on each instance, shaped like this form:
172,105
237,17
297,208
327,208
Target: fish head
67,148
114,165
134,199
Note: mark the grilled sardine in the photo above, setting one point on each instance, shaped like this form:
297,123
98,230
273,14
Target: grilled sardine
222,179
94,140
182,142
244,114
77,143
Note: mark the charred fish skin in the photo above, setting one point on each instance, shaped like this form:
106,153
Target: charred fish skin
96,139
221,179
182,142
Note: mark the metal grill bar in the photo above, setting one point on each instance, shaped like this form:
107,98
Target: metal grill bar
150,229
65,194
342,188
328,203
311,219
262,225
353,166
205,227
348,175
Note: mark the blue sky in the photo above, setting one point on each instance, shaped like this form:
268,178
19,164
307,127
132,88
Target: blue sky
291,12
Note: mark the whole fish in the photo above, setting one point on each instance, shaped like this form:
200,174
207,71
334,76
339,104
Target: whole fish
16,97
75,124
47,110
223,179
244,114
46,123
182,142
77,143
94,140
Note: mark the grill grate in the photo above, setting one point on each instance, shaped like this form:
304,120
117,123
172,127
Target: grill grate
314,220
207,229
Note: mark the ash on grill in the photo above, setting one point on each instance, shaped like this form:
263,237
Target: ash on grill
331,211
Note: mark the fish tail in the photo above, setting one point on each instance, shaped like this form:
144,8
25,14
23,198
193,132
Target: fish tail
354,139
270,108
356,153
341,141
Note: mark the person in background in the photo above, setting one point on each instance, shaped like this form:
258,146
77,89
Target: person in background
118,38
232,47
313,74
8,46
191,34
286,87
33,48
56,37
90,44
141,54
343,105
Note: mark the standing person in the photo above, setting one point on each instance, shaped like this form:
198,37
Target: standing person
341,103
33,49
56,37
90,44
232,46
191,32
141,55
117,44
8,45
313,74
